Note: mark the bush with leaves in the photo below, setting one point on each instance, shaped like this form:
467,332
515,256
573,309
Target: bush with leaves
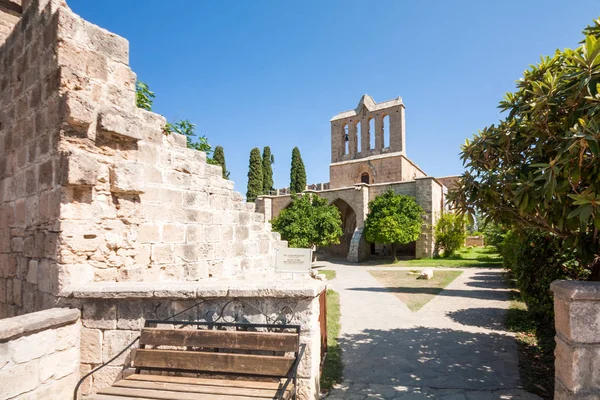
255,176
144,97
450,233
540,166
393,219
536,258
309,221
297,173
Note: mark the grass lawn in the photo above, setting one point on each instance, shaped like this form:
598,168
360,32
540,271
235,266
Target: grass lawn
329,274
536,349
333,368
413,292
482,257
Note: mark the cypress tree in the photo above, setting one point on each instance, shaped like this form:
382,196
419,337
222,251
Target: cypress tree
297,173
219,159
267,161
255,176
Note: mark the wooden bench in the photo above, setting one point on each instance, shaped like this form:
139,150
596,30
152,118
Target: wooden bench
216,361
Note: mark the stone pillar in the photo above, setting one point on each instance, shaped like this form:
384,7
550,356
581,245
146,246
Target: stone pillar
397,130
577,320
352,139
365,135
379,133
337,141
359,248
428,195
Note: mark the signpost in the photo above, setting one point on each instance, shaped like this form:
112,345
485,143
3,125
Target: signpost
293,260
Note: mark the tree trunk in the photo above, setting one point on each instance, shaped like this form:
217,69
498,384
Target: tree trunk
394,252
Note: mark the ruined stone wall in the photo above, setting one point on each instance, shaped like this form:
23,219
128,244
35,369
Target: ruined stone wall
39,355
430,195
10,13
92,188
577,322
381,169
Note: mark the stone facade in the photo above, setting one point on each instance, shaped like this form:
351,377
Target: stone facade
39,355
577,321
92,189
358,174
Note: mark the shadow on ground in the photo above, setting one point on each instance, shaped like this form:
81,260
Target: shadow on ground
430,362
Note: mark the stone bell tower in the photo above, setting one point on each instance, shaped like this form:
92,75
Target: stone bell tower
368,145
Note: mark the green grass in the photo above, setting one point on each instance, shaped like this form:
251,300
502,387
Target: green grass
535,341
333,368
413,292
481,257
329,274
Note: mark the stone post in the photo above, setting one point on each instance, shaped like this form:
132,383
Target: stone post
379,133
577,321
365,135
352,139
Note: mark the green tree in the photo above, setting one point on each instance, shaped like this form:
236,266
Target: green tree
393,219
309,221
539,167
297,173
267,161
185,127
255,176
450,233
143,96
219,159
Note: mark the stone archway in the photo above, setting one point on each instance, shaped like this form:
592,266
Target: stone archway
348,227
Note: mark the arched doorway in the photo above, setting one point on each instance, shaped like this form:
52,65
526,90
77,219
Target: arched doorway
348,227
365,178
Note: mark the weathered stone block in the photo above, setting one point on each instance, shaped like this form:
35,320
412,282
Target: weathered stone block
100,314
91,346
114,342
34,346
127,177
116,121
79,168
26,374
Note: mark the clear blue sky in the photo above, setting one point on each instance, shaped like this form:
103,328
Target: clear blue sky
257,73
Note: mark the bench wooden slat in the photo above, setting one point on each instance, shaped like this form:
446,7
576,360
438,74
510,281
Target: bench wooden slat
242,383
287,342
111,397
168,395
185,388
213,362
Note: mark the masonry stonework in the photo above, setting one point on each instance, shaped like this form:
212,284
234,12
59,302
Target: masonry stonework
368,154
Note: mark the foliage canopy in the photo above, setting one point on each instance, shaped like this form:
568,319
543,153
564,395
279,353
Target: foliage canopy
144,97
255,176
297,173
393,219
450,233
219,159
539,166
267,161
309,221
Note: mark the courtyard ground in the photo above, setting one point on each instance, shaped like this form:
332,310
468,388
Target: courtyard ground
454,348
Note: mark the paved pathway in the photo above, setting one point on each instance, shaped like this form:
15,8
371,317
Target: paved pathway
454,348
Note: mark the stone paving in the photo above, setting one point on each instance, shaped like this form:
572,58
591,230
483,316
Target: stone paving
454,348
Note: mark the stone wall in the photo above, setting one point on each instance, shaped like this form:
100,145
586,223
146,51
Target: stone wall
381,169
39,355
92,189
577,320
10,12
113,315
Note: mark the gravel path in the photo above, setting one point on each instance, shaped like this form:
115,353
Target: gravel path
454,348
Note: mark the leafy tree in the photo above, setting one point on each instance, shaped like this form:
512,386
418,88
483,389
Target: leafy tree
309,221
219,159
539,167
255,176
297,173
185,127
450,233
267,161
143,96
393,219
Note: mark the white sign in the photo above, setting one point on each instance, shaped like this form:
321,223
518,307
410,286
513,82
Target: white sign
293,260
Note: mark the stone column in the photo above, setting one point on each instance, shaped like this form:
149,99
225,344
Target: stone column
426,198
378,133
352,139
337,141
577,320
359,248
397,130
365,137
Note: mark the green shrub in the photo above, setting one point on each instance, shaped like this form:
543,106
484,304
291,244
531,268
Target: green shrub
494,235
535,259
450,233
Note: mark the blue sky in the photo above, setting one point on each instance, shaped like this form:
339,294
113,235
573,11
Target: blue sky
257,73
